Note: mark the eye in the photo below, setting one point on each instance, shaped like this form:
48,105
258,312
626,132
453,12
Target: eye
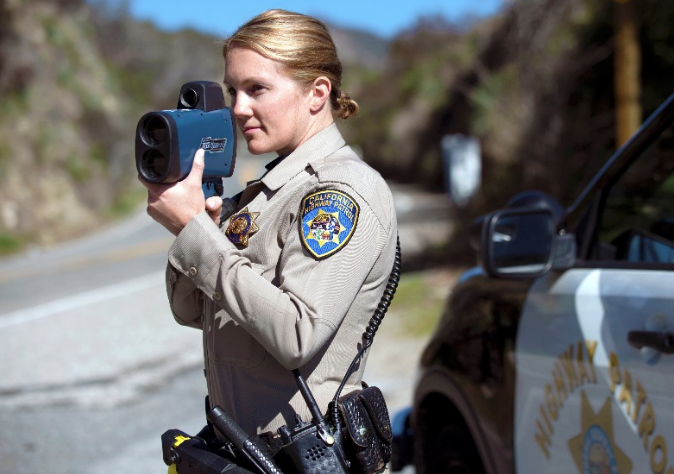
231,92
256,88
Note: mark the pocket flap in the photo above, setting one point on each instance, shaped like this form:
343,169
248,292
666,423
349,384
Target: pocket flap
356,419
375,404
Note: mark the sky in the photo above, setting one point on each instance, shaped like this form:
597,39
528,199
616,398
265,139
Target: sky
386,19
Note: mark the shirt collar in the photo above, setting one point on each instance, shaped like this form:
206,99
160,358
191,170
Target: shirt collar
272,164
316,148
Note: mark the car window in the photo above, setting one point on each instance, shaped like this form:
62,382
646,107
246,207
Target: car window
636,222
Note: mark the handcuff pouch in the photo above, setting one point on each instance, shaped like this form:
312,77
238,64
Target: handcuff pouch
367,434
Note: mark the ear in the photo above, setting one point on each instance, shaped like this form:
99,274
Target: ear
320,93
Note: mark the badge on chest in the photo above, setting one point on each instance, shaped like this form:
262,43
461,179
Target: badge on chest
328,219
242,226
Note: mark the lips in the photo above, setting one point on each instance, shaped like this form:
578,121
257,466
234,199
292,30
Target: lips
248,129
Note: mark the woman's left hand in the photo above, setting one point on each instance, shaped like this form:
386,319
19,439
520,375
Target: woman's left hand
214,208
174,205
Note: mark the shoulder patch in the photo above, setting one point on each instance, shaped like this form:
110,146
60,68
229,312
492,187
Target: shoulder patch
327,221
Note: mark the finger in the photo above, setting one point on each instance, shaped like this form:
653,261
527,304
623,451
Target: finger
214,207
154,188
214,203
150,211
142,181
154,191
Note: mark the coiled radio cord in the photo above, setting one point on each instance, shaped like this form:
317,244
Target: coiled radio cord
368,335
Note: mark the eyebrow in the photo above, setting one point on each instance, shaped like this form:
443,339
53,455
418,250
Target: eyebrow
255,78
248,81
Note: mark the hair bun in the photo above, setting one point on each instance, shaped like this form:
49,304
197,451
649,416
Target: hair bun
346,106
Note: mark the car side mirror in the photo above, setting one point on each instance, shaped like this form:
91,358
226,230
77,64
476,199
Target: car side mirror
523,243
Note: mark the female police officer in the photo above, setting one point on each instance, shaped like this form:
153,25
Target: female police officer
291,276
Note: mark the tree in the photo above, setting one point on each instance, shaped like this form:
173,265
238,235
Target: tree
627,70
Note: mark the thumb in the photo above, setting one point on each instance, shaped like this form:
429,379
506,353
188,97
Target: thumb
214,203
214,208
197,171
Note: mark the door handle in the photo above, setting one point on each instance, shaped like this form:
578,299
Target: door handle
659,340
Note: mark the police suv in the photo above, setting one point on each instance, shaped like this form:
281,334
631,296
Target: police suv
557,354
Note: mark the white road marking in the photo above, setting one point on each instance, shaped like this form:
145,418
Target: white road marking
81,300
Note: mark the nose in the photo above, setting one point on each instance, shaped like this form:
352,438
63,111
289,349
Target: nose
241,106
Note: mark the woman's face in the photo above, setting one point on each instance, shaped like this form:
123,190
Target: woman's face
272,110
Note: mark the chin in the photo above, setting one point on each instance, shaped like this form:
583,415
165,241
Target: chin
260,152
258,149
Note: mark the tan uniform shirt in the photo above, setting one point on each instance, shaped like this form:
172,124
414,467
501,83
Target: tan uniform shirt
275,304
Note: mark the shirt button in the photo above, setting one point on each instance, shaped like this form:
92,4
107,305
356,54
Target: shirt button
193,271
217,296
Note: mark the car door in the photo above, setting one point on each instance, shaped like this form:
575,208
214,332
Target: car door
595,370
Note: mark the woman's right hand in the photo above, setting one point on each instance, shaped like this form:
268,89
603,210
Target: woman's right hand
174,205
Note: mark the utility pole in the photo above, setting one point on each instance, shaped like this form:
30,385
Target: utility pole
627,70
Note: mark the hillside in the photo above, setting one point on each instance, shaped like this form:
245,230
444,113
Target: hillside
74,81
534,85
63,167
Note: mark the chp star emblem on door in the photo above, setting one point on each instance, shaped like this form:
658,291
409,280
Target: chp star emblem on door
594,449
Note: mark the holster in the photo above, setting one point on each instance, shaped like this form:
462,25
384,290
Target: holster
367,434
187,455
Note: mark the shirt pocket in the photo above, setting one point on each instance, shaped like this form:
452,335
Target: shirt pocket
230,344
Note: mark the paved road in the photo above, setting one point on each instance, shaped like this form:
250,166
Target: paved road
93,367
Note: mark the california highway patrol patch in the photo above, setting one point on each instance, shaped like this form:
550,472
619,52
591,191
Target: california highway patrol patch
328,219
242,226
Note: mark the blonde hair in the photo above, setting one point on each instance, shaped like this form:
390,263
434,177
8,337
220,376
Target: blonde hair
302,44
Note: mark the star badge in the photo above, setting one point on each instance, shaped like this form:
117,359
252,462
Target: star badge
242,226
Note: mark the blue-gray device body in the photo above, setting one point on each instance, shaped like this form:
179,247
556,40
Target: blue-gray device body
167,140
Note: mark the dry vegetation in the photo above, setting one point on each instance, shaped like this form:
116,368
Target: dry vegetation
533,84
